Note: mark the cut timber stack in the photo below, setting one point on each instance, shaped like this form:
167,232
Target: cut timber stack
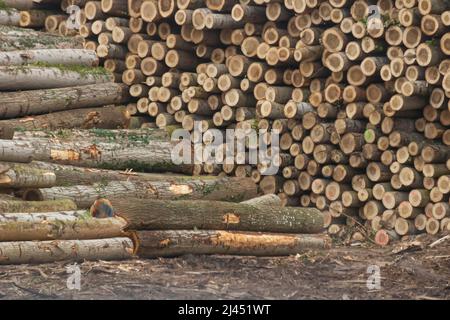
257,227
361,100
51,82
62,236
49,15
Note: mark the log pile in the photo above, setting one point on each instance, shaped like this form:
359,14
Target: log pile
256,227
358,90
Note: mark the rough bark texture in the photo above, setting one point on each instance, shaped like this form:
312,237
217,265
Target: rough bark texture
58,226
150,151
18,206
225,189
144,214
20,252
66,57
33,102
9,17
266,200
24,176
31,77
14,151
12,39
153,244
109,117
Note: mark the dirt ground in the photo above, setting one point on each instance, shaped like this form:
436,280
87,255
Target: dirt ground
409,270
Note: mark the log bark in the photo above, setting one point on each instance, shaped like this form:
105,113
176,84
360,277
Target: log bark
223,189
33,252
148,151
30,77
146,214
154,244
9,17
18,206
35,102
109,117
67,225
23,176
67,57
13,39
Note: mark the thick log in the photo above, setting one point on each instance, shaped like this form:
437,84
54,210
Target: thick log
223,189
67,57
64,225
146,214
30,77
146,150
110,117
32,252
18,206
25,39
15,176
153,244
9,17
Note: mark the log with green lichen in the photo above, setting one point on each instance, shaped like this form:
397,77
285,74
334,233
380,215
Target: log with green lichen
62,225
173,243
46,57
108,117
14,38
145,214
23,176
148,151
9,17
35,102
225,189
19,206
31,77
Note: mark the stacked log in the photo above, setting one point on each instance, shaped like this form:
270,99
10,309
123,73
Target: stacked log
51,16
360,100
257,227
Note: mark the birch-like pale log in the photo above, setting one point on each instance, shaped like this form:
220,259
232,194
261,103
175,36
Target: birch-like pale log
26,39
9,17
34,102
66,57
30,77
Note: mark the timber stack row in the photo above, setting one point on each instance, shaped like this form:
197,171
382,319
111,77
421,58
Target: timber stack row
360,96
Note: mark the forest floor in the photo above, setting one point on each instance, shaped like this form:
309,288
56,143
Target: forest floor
408,270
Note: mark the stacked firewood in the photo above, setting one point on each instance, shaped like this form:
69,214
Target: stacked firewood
50,15
358,91
46,176
50,82
47,231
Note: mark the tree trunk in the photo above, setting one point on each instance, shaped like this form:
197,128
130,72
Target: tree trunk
9,17
58,226
110,117
108,150
21,252
13,151
146,214
266,200
13,39
30,77
66,57
19,206
154,244
224,189
23,176
33,102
